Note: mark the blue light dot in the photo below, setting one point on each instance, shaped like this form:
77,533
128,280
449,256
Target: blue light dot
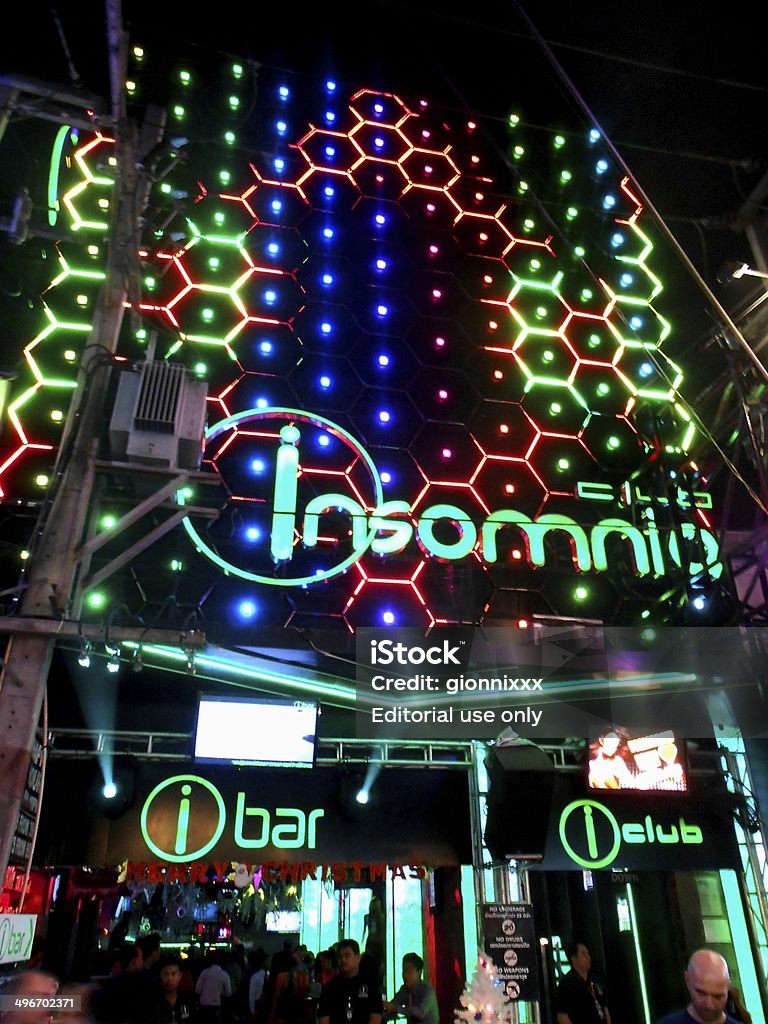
325,381
380,218
609,202
382,310
330,151
284,92
262,403
282,127
384,416
279,164
327,232
265,347
378,108
276,206
323,440
601,166
257,465
329,191
617,240
386,477
388,618
636,322
699,603
273,248
247,609
270,297
327,279
383,360
325,327
378,142
626,280
594,135
381,264
646,369
253,533
330,86
330,117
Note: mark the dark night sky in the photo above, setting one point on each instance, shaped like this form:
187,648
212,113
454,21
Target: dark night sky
682,96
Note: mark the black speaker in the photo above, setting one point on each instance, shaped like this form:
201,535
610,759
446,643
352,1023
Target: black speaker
521,778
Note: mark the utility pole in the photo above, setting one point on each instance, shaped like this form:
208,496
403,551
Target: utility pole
52,570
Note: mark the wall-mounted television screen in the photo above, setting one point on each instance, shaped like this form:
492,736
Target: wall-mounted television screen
283,921
618,760
256,731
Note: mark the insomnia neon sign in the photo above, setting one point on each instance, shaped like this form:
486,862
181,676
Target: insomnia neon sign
387,527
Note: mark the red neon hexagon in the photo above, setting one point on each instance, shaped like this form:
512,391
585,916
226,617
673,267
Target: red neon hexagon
482,236
509,483
503,429
446,453
380,141
434,170
379,107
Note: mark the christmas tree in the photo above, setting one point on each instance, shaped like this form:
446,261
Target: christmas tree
484,1001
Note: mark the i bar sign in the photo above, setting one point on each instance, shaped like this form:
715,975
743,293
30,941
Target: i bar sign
16,934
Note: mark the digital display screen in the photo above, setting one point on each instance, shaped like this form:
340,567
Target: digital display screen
256,732
283,921
652,762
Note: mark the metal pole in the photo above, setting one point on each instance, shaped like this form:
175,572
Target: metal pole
52,567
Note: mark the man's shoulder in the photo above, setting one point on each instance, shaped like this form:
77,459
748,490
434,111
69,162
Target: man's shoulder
677,1017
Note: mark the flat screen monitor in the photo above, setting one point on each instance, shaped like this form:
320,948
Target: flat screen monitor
283,921
256,731
650,762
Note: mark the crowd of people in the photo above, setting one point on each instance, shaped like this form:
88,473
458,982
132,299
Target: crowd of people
143,984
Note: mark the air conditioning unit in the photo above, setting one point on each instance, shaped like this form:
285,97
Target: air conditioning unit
159,416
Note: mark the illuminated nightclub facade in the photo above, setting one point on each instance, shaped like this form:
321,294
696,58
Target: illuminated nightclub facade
437,378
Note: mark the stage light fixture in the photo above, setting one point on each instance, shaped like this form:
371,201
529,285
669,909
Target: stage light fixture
84,657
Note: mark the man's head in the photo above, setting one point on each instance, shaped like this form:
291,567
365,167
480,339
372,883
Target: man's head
707,980
130,957
580,958
150,948
412,968
349,957
28,984
170,972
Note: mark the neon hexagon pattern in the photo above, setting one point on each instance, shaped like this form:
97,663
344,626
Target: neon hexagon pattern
434,378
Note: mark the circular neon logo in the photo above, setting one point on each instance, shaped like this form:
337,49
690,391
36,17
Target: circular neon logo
183,818
590,834
284,509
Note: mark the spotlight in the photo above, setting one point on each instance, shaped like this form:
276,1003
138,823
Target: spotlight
109,791
362,796
84,657
113,665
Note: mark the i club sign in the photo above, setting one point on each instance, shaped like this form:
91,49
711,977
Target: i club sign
593,837
299,506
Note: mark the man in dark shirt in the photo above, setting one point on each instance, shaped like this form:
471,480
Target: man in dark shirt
172,1006
350,997
708,981
580,998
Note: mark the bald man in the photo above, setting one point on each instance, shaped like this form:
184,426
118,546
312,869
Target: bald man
708,980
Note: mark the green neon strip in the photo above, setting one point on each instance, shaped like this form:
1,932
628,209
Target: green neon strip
742,946
469,917
315,685
639,954
53,173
